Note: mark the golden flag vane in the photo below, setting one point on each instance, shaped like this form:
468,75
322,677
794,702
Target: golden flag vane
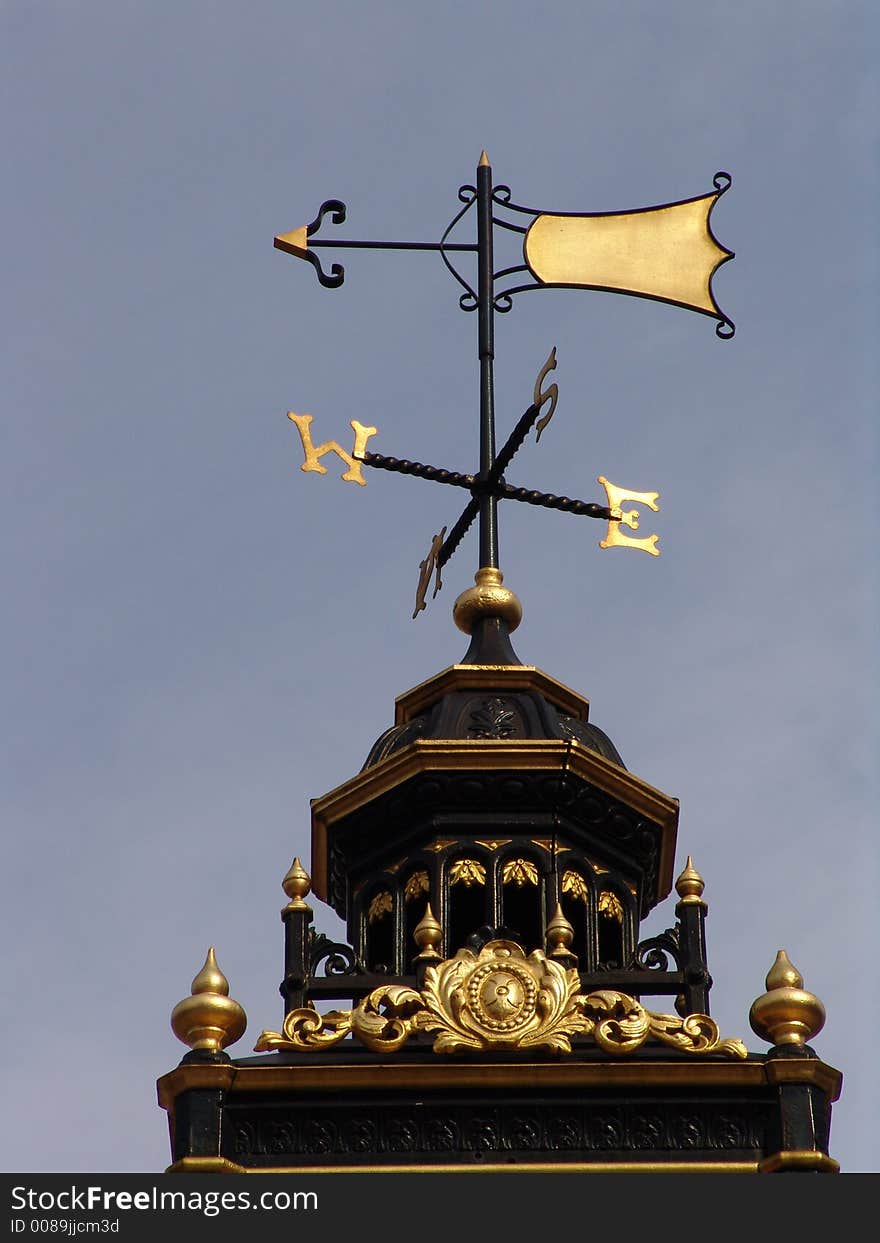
666,253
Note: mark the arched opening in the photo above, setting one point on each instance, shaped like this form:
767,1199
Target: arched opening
467,901
380,933
416,891
610,930
521,902
573,900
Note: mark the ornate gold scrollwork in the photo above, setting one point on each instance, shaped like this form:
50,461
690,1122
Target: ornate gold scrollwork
500,999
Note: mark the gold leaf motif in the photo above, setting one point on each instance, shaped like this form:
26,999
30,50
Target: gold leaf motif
573,883
467,872
416,884
494,843
519,872
442,844
380,906
609,905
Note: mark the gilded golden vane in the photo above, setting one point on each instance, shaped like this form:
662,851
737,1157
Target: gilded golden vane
666,253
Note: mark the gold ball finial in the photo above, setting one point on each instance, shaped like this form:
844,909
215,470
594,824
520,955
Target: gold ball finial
560,934
209,1019
296,884
690,884
487,598
427,934
786,1013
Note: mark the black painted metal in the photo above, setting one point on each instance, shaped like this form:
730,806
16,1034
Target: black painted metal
488,486
486,349
492,486
692,947
297,970
470,1128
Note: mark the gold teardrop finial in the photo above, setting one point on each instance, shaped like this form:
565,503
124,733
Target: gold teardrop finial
296,884
690,884
210,979
427,934
484,159
209,1019
560,934
786,1013
487,598
783,973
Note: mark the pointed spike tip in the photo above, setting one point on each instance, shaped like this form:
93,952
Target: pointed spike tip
210,978
690,884
484,159
297,883
783,973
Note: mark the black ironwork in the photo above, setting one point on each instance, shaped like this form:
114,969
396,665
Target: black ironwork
337,957
488,486
655,953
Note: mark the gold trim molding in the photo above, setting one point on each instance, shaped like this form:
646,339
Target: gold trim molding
219,1165
499,999
489,677
803,1160
317,1075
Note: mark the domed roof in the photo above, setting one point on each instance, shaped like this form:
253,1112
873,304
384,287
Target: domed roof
491,696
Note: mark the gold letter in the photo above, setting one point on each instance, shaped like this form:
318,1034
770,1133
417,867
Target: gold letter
425,569
630,518
352,460
551,394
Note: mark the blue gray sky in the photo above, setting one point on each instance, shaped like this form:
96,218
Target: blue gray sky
197,637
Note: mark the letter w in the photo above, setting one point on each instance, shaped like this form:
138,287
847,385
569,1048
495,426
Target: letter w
313,455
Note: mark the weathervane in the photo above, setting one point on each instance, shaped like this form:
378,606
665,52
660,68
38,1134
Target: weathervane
666,253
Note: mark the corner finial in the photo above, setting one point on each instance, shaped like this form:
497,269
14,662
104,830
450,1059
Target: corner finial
690,884
209,1019
484,159
786,1014
296,884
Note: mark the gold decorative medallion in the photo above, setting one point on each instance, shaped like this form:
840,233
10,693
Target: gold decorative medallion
499,999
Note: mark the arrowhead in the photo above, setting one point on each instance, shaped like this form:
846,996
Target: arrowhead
294,243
